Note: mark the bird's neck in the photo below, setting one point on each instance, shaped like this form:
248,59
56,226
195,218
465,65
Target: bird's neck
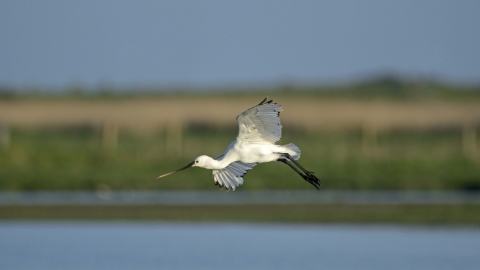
213,164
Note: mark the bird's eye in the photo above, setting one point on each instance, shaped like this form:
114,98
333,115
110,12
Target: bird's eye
196,161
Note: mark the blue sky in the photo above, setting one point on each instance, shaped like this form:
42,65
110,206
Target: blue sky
210,43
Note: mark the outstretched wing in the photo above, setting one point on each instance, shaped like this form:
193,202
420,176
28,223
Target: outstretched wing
260,123
231,176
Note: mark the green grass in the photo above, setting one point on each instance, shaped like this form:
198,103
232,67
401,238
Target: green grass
74,159
408,214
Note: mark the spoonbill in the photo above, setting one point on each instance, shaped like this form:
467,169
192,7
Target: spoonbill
259,130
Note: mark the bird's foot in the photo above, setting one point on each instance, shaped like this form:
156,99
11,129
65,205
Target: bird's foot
313,180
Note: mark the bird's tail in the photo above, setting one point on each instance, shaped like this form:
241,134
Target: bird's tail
294,150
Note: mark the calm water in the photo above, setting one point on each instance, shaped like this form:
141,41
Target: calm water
125,245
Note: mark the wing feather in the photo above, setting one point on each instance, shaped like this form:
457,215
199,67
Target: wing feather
231,176
260,123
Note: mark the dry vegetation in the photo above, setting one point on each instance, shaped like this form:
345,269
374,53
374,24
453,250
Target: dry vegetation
304,112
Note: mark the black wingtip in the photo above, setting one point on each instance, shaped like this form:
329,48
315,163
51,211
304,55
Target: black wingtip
263,101
266,101
219,185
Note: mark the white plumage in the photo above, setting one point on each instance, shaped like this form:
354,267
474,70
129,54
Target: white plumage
260,124
259,130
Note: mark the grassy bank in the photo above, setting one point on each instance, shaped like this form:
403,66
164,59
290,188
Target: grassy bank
75,158
435,215
385,134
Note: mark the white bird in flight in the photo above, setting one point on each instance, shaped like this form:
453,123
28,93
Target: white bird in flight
259,130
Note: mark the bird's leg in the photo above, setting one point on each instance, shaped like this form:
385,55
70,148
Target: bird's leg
307,178
286,161
309,174
298,164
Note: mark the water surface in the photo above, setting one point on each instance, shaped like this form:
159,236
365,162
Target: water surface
141,245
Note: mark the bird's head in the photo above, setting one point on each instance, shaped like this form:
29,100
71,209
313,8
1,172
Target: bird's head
201,161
